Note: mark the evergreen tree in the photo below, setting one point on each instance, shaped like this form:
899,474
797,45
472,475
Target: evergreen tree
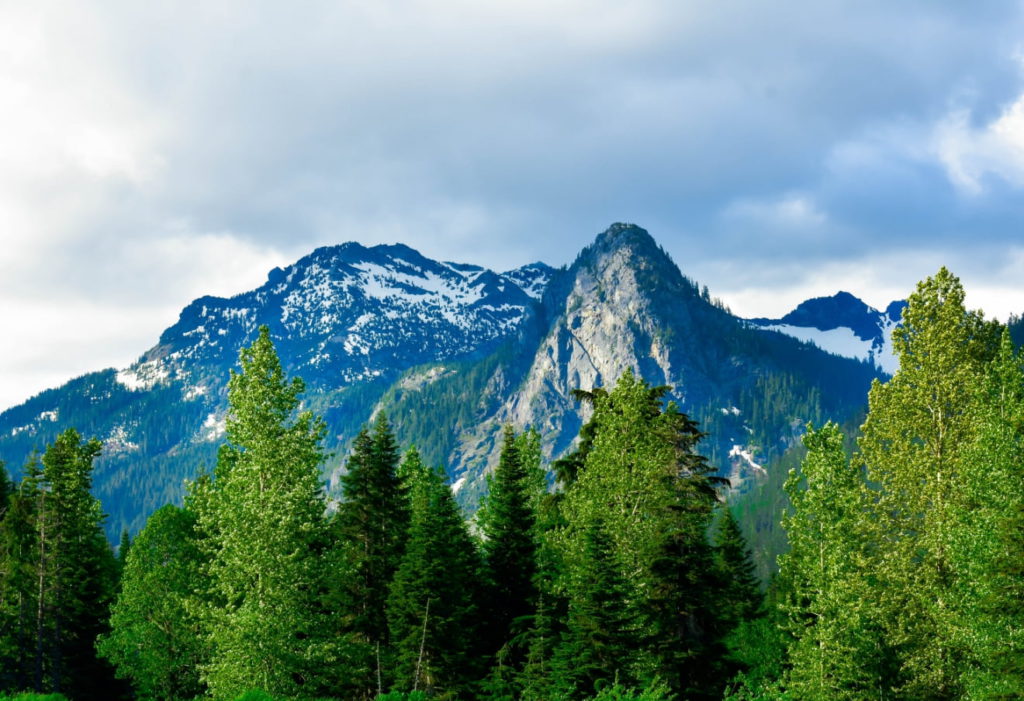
433,607
741,590
919,428
643,477
154,641
510,549
262,521
370,530
601,637
835,642
19,584
82,572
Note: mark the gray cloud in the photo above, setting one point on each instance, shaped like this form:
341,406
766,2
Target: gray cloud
156,153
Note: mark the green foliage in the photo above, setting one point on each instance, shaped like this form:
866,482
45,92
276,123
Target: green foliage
639,475
507,521
433,607
833,652
263,531
153,640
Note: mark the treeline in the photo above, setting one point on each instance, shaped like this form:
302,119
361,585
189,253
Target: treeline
606,586
627,578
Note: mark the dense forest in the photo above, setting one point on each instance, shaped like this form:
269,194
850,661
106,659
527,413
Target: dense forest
617,572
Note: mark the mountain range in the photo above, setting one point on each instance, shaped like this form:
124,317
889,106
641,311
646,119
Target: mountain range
453,352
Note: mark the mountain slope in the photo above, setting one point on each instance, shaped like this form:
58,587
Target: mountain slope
624,304
451,352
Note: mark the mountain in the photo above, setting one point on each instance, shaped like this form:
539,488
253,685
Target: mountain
451,352
844,325
624,304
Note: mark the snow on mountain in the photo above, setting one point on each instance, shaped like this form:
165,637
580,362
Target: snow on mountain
843,325
349,313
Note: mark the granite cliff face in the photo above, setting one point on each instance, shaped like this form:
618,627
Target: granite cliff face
623,304
452,352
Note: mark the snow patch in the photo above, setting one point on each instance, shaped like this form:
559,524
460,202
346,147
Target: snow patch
730,410
143,376
47,416
458,484
738,452
213,427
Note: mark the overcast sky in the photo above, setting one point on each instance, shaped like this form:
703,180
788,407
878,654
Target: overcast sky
149,155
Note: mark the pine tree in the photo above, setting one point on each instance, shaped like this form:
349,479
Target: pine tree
263,525
601,637
835,642
510,549
919,428
154,641
433,606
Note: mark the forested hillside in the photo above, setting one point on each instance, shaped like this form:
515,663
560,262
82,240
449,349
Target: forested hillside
626,577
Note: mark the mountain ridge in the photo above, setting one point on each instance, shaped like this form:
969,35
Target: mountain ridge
452,352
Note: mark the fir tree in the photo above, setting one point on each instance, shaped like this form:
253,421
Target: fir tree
510,549
741,591
600,642
370,529
82,571
433,607
262,520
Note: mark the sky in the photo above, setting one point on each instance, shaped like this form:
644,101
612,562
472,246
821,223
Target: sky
151,153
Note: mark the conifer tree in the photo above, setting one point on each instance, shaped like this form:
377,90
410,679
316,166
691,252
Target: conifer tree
19,584
262,520
82,574
154,641
741,590
433,606
642,476
370,530
600,642
510,549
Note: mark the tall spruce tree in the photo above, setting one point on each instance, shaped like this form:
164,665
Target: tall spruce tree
369,533
740,589
433,606
507,521
154,641
83,573
917,434
263,526
19,584
600,642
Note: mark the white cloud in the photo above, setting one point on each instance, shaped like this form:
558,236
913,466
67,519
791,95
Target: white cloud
793,212
970,153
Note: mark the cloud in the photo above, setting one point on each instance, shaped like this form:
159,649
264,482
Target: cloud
151,152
